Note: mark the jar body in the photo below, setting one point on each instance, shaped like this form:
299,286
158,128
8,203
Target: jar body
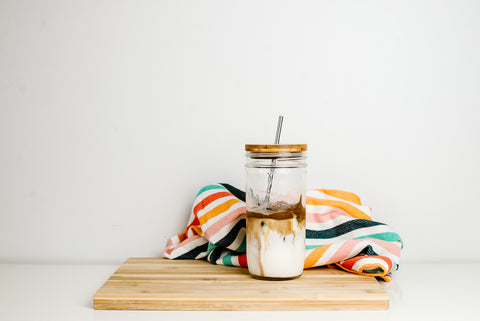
275,204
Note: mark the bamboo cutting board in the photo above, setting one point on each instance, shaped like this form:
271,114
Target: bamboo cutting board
161,284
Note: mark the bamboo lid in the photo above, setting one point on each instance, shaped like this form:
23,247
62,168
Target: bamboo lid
276,148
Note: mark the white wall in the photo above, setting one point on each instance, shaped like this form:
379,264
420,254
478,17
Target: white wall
114,113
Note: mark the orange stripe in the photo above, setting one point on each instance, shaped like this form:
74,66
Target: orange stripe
217,210
207,200
313,257
350,209
196,229
379,274
182,237
346,196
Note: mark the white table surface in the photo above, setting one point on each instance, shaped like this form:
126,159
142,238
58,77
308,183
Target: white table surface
65,292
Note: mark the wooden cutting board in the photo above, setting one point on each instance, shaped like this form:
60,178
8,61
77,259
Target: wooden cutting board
162,284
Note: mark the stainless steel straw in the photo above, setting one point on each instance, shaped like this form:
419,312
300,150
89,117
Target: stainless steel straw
274,161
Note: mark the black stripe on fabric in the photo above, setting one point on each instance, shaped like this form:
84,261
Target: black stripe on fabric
368,250
340,229
232,234
193,253
215,255
235,191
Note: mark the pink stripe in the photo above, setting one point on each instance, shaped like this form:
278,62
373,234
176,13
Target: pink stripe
176,239
221,223
169,249
389,246
323,217
343,251
173,240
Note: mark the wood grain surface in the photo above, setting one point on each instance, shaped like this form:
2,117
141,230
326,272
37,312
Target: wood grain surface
162,284
276,148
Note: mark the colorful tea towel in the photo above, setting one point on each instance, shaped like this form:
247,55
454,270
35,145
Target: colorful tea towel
339,232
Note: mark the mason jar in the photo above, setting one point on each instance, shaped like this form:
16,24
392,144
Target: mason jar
275,204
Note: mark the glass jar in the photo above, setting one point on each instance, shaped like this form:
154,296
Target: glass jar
275,201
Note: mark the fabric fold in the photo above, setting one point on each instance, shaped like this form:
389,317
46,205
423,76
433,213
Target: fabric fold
340,232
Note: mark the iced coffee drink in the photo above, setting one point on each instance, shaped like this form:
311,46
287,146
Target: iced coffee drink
275,204
276,241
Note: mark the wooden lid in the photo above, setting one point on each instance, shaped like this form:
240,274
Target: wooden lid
276,148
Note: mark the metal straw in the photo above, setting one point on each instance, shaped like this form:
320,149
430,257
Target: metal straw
274,161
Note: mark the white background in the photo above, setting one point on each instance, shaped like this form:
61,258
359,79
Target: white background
114,113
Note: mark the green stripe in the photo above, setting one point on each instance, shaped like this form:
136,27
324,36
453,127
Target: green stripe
209,187
386,236
243,247
311,247
211,246
227,260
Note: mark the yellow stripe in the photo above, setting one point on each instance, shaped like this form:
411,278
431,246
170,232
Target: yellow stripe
346,196
313,257
350,209
217,210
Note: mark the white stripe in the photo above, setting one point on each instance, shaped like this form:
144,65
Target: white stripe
234,260
329,224
220,259
380,250
321,195
238,240
377,248
369,260
207,193
190,233
190,246
221,233
322,209
358,248
175,240
186,248
201,255
324,259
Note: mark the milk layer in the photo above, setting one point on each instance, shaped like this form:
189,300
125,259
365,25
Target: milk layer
275,247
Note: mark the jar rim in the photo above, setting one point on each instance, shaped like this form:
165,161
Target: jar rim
276,148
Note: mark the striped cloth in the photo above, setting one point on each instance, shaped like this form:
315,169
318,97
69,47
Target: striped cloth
340,232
